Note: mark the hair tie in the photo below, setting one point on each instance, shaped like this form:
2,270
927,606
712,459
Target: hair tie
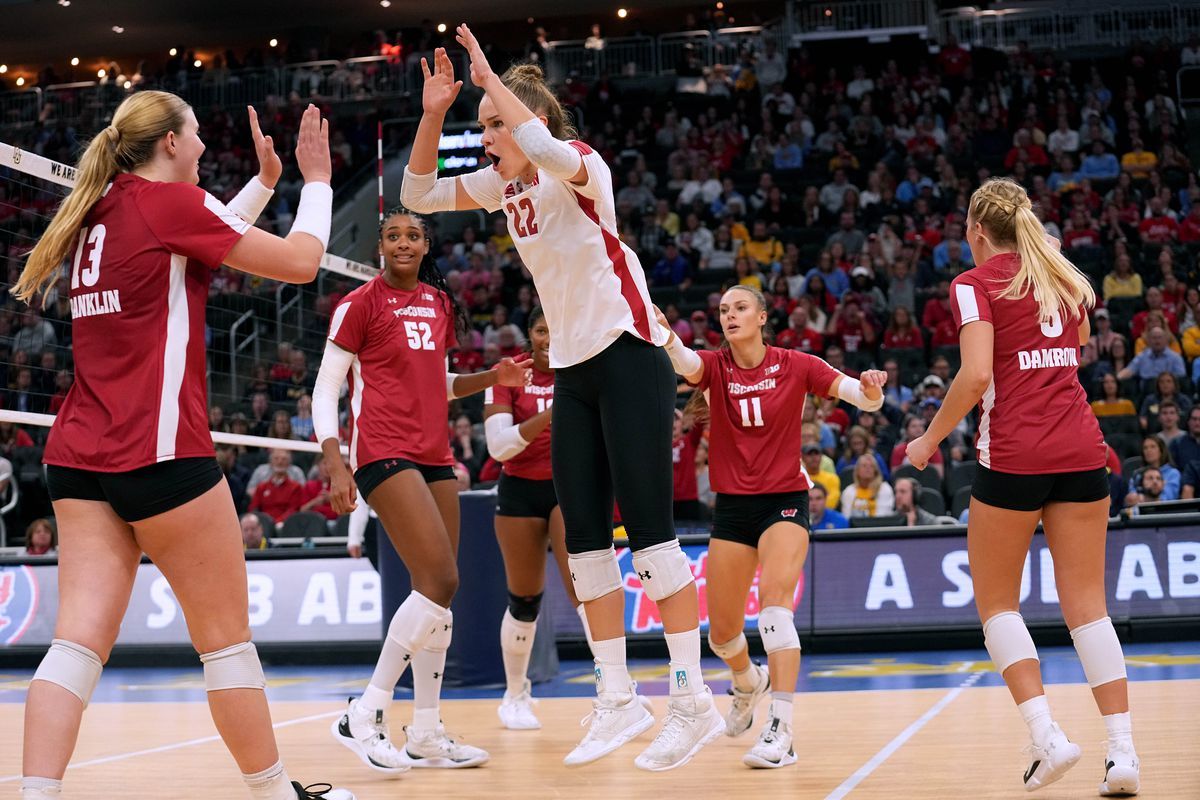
114,134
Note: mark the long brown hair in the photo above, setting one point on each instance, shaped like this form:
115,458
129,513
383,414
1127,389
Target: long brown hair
139,123
697,406
528,83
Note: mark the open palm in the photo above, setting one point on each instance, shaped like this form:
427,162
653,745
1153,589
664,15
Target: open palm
440,87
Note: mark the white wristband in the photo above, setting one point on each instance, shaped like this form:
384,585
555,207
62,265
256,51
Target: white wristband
683,358
850,390
314,213
251,201
450,378
428,193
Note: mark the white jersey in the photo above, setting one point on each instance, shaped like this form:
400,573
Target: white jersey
592,287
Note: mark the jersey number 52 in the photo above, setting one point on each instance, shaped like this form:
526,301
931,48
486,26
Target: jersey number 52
522,208
419,334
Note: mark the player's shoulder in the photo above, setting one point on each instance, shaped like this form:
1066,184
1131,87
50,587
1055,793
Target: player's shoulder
584,148
367,290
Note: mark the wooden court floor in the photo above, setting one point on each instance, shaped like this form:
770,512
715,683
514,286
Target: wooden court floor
921,743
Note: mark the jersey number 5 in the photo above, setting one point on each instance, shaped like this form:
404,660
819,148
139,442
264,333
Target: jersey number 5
91,240
529,226
1054,328
420,335
751,412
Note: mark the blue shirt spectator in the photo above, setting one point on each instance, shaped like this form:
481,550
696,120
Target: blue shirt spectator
1186,449
1154,360
897,396
1100,167
671,269
1062,181
836,281
910,189
1172,479
941,253
789,156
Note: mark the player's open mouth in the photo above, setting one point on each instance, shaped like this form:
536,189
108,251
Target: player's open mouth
732,328
495,160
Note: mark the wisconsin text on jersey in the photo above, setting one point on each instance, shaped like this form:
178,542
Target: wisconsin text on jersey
1048,357
416,311
95,303
761,386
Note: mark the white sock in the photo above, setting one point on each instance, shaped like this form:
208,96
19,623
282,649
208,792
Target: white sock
745,681
411,626
270,784
429,668
1120,729
516,644
40,788
612,674
1036,713
781,706
587,629
685,677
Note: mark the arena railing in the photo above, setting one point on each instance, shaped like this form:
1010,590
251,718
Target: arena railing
1058,27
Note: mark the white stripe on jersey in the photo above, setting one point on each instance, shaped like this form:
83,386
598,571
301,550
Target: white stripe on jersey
967,304
174,358
982,447
225,215
339,316
355,405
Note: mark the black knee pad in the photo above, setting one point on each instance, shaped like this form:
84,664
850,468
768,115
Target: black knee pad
524,609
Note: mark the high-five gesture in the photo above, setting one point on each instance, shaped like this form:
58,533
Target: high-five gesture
312,147
440,87
269,165
481,70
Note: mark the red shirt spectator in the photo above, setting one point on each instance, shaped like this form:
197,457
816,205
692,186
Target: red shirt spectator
1158,229
1189,229
278,497
953,61
937,310
898,339
1082,237
945,334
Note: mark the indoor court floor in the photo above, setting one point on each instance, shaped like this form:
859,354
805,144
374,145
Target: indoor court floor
896,725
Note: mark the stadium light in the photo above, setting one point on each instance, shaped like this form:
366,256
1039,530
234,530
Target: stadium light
20,81
622,13
274,43
3,68
197,63
118,29
100,73
441,27
172,51
75,62
128,84
385,3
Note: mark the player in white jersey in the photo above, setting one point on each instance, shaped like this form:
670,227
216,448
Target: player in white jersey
614,388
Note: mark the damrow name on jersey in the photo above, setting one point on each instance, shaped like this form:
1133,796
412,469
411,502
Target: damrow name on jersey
761,386
1047,357
94,304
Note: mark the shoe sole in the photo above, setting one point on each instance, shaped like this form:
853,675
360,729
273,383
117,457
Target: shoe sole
441,763
718,727
625,736
751,760
1063,769
1120,783
354,747
509,726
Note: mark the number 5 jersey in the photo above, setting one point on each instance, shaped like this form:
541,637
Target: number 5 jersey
398,405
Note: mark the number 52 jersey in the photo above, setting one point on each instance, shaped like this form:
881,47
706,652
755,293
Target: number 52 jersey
398,404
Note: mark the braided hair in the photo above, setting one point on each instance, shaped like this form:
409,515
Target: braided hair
429,273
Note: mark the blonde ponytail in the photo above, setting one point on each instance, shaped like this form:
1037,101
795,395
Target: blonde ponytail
1003,208
130,141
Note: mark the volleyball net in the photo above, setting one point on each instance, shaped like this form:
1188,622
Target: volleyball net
264,343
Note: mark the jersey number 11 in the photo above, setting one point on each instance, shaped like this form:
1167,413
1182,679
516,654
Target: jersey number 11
754,404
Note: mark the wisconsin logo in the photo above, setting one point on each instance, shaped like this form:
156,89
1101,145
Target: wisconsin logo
18,602
788,513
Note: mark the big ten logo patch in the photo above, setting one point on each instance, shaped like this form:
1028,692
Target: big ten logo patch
18,602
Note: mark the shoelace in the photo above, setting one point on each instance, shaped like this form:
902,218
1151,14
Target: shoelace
672,729
597,713
314,791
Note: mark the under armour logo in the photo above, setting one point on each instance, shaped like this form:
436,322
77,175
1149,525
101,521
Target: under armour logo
437,675
407,658
393,300
644,576
572,577
447,627
522,638
767,628
390,464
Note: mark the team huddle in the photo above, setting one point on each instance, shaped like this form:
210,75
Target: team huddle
584,421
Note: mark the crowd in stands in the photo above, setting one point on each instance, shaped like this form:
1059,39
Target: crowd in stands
840,190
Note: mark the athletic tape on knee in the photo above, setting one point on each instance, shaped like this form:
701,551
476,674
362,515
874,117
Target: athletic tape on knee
1099,651
524,608
729,649
594,573
1007,640
663,569
235,667
777,627
71,666
443,633
414,622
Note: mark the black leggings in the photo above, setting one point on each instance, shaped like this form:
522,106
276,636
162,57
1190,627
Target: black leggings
611,429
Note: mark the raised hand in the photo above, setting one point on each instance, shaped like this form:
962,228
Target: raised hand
312,147
269,165
513,372
440,87
481,70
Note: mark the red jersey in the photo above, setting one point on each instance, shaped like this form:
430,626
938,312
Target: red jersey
756,414
1084,237
1189,229
398,405
683,458
1035,416
899,340
526,402
280,500
1158,230
139,283
809,340
852,337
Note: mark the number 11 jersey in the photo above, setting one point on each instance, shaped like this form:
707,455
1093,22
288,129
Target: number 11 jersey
398,405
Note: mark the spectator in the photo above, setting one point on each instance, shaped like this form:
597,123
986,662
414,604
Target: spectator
302,422
1168,423
1155,456
40,538
1158,227
820,516
260,381
1154,304
833,282
814,464
634,194
763,248
895,393
1026,152
12,438
500,323
35,336
747,273
1063,139
851,329
316,491
858,443
1191,481
1154,360
1081,232
23,395
462,477
672,269
1100,165
833,194
908,490
788,154
469,449
1110,403
847,234
1066,178
1145,487
913,427
702,336
260,410
937,309
1186,449
1166,389
300,380
1122,281
281,425
279,494
264,471
868,495
902,332
1099,344
236,475
800,335
253,536
1138,162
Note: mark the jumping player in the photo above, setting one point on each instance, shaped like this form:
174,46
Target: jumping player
606,439
390,336
130,465
517,422
1022,315
755,401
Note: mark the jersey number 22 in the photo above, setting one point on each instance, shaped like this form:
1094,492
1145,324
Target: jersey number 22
528,226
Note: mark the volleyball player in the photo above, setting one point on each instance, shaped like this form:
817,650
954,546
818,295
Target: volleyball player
390,336
614,390
130,465
754,394
1022,315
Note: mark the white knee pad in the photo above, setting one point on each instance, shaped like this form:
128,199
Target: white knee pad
729,649
663,569
415,621
777,627
594,573
443,632
1099,651
235,667
1007,640
71,666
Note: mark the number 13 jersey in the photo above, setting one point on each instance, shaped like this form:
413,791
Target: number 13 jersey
398,405
591,286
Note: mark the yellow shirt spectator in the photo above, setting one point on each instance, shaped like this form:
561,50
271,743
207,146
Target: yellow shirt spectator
768,251
1113,408
833,487
1191,342
1139,163
1116,286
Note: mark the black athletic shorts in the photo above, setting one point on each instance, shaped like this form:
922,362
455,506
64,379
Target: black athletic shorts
141,493
744,518
1031,492
368,477
522,497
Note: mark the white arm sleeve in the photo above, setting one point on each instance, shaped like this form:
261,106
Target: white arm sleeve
503,437
850,390
553,155
356,531
683,358
335,364
251,200
427,193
